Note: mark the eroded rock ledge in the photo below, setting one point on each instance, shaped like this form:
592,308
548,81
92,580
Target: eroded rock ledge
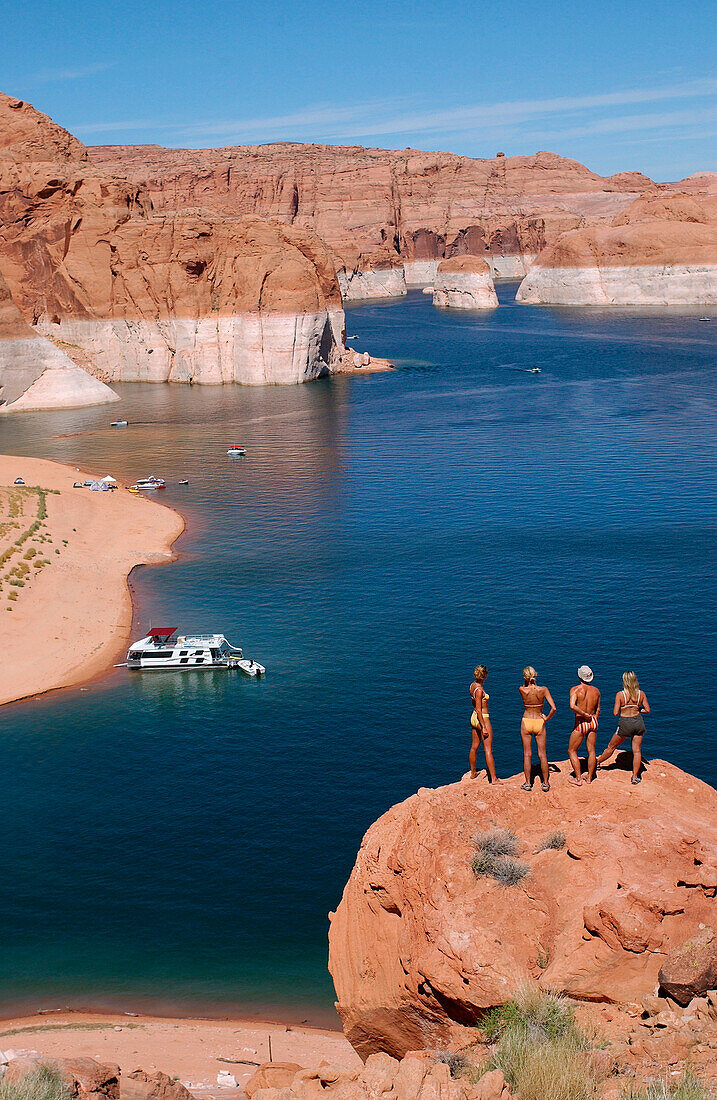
421,946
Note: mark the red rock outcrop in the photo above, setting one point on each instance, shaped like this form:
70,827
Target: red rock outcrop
691,969
141,1085
387,214
418,1076
420,945
153,295
660,250
464,282
84,1078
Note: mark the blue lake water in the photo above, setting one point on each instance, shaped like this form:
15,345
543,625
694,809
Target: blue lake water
177,841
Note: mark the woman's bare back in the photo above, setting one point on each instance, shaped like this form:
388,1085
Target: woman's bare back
533,697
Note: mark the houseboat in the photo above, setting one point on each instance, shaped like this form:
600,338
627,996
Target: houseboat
164,649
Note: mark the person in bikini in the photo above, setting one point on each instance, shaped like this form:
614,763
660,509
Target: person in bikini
585,703
533,725
481,728
630,704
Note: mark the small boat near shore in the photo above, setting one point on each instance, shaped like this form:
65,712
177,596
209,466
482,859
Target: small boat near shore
236,452
118,424
148,483
164,650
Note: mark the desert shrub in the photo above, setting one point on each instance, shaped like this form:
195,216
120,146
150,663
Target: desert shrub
495,857
687,1088
539,1015
539,1048
497,842
555,840
43,1083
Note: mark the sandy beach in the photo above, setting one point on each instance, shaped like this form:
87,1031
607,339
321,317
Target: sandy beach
194,1050
65,556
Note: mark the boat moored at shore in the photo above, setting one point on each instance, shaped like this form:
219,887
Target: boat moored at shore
164,649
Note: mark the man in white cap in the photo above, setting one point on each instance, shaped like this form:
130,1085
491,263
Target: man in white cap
585,703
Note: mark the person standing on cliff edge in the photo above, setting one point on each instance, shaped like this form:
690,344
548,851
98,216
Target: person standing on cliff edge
533,725
630,704
585,703
481,728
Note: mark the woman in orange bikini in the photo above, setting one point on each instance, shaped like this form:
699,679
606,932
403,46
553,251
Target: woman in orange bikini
630,705
533,725
481,729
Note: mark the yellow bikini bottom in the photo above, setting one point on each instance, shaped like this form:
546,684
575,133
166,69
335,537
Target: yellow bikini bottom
474,719
533,725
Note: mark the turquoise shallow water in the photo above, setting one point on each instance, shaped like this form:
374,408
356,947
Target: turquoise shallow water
178,841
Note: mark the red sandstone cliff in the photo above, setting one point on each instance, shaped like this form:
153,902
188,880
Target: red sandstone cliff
420,945
380,209
660,250
157,295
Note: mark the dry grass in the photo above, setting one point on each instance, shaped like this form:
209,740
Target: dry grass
540,1049
555,841
43,1083
687,1088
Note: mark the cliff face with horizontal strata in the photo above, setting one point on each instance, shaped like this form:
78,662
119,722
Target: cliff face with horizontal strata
660,251
157,295
34,373
389,216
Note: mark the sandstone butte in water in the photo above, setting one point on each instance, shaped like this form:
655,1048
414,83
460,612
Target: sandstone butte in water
389,216
661,250
151,296
420,946
464,282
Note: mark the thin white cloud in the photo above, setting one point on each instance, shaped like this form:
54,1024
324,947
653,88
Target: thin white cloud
48,76
560,117
662,120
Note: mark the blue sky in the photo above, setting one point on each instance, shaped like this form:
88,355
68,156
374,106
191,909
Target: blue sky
618,85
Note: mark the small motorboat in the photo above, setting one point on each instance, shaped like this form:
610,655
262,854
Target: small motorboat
118,424
149,483
18,481
236,452
250,668
184,481
533,370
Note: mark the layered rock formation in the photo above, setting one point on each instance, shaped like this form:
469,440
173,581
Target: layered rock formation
388,216
34,373
661,250
157,296
464,282
420,945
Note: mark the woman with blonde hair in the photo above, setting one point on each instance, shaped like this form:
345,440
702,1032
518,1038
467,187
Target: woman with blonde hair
630,704
533,725
481,728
